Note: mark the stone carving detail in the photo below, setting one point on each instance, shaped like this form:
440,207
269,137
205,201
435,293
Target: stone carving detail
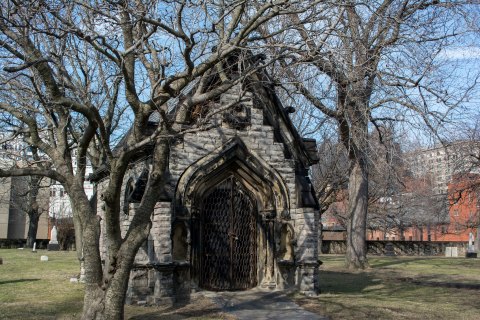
286,243
239,117
180,242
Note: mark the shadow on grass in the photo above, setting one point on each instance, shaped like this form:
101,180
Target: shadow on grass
343,282
69,307
393,261
17,281
429,281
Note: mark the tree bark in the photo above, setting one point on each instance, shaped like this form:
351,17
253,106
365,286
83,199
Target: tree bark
94,291
34,217
356,255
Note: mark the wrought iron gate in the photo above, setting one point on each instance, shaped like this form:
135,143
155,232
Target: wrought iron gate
229,251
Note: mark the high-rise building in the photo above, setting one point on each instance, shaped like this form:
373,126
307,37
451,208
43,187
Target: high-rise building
442,162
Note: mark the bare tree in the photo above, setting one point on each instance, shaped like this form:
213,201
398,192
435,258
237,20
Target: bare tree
76,76
362,63
330,175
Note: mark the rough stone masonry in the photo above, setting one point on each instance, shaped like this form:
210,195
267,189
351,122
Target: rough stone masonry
238,210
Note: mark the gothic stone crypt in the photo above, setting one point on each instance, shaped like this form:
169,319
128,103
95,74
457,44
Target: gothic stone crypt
238,212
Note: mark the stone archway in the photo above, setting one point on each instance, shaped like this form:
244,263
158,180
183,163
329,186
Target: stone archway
228,249
265,188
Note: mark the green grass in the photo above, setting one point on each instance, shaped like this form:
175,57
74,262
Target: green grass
393,288
35,290
399,288
31,289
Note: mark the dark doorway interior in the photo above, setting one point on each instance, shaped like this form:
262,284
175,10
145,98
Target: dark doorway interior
228,238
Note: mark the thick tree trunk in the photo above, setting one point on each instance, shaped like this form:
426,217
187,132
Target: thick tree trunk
79,244
32,228
356,256
107,301
106,288
93,300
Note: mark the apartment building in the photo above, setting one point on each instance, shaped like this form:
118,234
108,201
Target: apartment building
440,163
14,193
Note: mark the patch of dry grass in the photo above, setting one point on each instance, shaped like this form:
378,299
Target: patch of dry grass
393,288
398,288
31,290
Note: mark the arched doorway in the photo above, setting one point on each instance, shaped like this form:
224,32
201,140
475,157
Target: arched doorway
228,250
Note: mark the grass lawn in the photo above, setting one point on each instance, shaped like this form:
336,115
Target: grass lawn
31,289
399,288
35,290
393,288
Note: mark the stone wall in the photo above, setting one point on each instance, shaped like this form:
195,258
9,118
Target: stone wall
160,273
401,248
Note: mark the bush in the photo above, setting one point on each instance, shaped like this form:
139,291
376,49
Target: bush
66,233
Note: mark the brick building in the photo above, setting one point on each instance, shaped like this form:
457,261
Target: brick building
463,216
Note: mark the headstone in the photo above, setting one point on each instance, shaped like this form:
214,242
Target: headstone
451,252
44,258
471,240
73,280
389,249
471,248
1,260
53,243
34,249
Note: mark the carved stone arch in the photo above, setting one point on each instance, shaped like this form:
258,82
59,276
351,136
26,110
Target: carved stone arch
233,158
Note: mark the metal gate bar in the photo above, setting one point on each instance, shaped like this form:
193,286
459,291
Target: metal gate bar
229,252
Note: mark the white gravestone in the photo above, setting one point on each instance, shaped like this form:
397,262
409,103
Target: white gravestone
471,248
53,243
471,240
53,235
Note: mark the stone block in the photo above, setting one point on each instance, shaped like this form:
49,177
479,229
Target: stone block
53,247
471,255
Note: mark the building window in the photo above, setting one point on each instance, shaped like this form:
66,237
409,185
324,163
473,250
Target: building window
455,212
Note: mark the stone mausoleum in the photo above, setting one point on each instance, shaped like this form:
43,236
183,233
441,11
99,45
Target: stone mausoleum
238,211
